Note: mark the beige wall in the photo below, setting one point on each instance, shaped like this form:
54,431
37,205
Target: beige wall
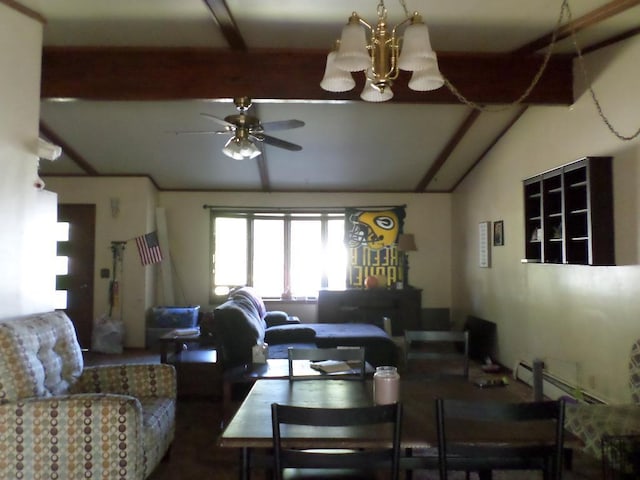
580,320
27,215
428,217
136,198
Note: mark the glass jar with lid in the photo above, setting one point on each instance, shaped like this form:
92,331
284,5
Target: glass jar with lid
386,385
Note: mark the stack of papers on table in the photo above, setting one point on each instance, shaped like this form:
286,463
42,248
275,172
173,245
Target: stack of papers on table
331,366
185,332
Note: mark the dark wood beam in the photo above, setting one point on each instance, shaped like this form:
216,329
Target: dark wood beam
227,24
447,150
263,170
491,145
187,73
589,20
67,149
24,10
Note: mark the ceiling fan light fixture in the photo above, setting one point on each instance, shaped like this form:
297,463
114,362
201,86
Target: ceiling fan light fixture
384,54
336,79
240,148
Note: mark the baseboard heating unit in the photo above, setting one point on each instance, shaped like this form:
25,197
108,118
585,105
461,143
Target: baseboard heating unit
553,387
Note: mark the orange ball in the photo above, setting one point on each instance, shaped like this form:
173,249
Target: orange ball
370,282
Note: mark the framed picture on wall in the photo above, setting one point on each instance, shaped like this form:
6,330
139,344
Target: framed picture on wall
484,248
498,233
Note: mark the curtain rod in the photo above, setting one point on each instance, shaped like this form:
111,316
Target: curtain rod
297,209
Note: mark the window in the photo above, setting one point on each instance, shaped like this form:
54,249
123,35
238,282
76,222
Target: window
276,252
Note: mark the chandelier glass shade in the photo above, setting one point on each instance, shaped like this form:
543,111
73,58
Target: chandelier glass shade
382,56
240,147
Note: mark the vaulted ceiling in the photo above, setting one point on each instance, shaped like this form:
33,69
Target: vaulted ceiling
119,78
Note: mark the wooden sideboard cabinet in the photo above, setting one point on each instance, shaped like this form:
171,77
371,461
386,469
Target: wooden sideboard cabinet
569,214
370,306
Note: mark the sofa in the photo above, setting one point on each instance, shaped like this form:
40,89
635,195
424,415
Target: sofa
243,321
592,422
61,420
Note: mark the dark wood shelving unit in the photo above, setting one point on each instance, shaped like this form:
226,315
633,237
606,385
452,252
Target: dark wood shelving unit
569,214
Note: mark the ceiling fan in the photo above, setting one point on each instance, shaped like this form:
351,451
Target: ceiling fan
247,129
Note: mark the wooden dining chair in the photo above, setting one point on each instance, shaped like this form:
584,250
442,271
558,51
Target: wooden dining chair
349,362
476,420
436,345
378,426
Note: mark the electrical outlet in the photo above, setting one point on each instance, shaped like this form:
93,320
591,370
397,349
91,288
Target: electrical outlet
104,273
591,381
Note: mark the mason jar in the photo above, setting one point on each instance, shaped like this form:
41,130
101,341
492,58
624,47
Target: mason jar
386,385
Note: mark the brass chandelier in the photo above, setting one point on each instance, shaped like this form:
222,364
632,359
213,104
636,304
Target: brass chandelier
382,56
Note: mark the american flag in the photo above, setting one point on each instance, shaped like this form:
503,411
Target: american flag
149,248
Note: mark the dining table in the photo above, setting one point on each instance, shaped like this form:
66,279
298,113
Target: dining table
250,428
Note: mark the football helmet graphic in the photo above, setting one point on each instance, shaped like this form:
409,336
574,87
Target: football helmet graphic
376,230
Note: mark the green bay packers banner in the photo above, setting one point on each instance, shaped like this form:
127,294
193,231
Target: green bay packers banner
371,236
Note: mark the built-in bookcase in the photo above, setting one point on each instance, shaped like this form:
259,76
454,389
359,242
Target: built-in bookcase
569,214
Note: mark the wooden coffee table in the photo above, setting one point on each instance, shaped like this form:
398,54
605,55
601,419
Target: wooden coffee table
197,367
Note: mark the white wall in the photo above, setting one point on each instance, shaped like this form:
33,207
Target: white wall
27,215
188,224
137,202
580,320
428,217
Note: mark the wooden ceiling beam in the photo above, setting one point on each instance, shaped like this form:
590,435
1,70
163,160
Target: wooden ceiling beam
227,24
186,73
591,19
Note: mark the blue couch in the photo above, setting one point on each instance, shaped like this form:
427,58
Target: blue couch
243,321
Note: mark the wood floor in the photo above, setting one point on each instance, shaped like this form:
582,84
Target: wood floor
195,455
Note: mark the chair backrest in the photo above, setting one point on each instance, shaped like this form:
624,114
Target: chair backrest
380,422
39,356
353,357
479,419
436,345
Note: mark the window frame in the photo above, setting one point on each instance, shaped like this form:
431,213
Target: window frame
324,215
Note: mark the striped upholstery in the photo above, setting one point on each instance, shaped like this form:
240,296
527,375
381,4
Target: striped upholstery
60,421
591,422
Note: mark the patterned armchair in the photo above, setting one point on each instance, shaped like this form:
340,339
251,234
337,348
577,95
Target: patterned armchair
591,421
59,420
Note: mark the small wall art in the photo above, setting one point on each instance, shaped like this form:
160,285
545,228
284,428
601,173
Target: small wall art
498,233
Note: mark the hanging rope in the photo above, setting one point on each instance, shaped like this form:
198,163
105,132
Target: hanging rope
565,10
534,81
587,81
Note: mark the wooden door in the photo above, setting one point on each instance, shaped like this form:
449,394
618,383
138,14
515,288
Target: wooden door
78,282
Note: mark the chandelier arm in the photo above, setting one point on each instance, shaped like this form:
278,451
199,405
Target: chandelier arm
364,23
587,81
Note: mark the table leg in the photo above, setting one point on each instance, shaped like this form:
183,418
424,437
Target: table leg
244,463
485,474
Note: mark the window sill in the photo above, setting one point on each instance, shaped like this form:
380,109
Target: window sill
290,301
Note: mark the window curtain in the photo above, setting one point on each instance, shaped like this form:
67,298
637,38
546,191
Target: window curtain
371,236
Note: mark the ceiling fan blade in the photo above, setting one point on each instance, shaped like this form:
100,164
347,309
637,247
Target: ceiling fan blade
277,142
282,125
200,132
218,120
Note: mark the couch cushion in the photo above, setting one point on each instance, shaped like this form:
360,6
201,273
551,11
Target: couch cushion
296,333
274,318
158,414
39,356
